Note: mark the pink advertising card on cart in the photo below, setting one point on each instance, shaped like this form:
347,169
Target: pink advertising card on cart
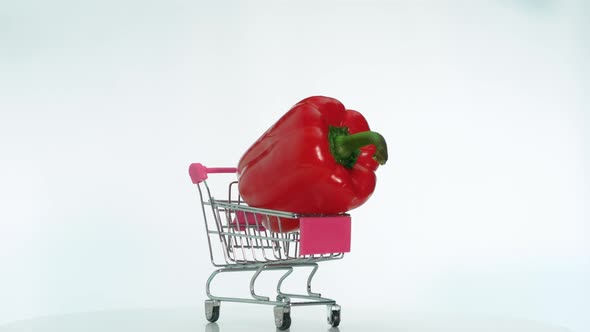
324,235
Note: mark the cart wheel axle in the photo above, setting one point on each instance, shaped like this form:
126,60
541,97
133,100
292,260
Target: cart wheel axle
212,310
282,317
334,315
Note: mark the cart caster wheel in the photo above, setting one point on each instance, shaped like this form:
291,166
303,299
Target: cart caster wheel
334,315
282,317
212,310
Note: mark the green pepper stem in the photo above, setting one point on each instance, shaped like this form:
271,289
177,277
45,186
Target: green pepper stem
347,145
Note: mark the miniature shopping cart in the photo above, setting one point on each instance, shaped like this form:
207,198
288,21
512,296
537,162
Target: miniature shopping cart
239,242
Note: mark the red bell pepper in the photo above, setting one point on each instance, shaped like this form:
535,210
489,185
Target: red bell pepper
319,158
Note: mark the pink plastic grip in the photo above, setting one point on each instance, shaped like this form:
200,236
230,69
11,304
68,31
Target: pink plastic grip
198,172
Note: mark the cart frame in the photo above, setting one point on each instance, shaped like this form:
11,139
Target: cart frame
239,232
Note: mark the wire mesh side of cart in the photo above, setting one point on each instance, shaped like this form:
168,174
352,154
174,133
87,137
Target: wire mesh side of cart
238,231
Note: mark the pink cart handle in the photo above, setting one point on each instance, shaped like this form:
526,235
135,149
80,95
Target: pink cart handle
198,172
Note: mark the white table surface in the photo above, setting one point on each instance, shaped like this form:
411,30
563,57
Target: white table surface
259,318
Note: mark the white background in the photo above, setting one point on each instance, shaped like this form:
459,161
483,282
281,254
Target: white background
482,209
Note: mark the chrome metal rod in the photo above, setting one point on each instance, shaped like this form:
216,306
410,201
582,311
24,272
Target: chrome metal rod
252,281
281,294
313,271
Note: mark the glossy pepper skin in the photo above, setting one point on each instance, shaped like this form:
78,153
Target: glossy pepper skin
311,162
